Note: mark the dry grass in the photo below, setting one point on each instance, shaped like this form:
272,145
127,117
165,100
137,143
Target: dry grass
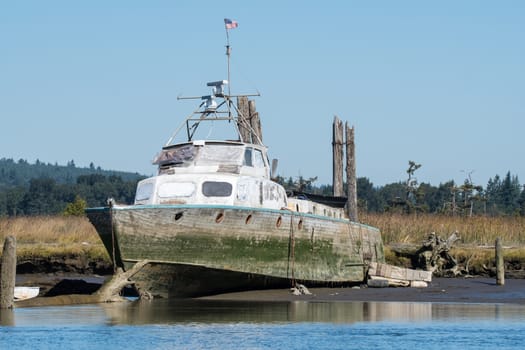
475,231
56,235
395,228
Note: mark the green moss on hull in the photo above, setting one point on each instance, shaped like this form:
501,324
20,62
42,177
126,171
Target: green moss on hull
273,257
184,242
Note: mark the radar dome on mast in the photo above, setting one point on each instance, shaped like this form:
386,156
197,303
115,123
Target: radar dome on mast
218,87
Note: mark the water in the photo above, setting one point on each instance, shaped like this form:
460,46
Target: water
206,324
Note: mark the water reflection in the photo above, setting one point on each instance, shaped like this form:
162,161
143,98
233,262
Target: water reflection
7,317
207,311
162,311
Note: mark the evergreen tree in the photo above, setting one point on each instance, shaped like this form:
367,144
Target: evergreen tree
503,196
368,198
492,194
521,201
76,208
393,195
509,194
411,187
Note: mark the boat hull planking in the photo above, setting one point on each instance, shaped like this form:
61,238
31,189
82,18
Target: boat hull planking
197,250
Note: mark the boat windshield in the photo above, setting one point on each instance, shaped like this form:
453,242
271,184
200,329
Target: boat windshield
208,154
180,156
220,154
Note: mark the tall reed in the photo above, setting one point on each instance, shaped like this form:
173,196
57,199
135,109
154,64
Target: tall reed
480,230
50,235
61,235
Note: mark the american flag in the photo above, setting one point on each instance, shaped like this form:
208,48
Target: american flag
230,23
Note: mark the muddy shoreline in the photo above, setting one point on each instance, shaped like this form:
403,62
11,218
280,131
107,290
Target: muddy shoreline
69,275
442,290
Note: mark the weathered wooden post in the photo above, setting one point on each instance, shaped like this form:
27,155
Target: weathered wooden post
255,123
244,118
351,174
8,274
337,152
500,266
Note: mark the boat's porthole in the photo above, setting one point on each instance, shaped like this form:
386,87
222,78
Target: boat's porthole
300,224
279,221
248,219
219,218
178,216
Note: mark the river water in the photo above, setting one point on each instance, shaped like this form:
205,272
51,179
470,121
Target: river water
212,324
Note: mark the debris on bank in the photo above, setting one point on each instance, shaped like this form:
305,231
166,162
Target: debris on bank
300,289
384,275
432,257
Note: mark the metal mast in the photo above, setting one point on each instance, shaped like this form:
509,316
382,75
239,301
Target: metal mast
228,53
229,24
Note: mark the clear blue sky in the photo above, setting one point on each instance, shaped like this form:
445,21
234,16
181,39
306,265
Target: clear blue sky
441,83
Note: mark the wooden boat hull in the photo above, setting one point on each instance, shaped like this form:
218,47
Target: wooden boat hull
198,250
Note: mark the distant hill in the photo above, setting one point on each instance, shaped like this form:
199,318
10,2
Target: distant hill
47,189
20,173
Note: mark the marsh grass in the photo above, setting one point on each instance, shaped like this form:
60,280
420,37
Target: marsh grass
75,236
475,250
474,231
47,236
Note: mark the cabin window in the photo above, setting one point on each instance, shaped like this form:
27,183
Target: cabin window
219,154
258,159
216,189
176,189
248,157
144,192
180,156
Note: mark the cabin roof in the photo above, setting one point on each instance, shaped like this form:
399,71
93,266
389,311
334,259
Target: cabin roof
214,142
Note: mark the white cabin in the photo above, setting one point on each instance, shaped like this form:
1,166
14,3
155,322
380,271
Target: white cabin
212,172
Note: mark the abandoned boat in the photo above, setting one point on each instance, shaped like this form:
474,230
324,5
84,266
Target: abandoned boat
213,220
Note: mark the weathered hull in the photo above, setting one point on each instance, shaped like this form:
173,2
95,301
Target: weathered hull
201,250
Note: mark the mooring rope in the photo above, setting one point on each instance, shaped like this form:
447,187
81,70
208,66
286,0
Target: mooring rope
291,250
112,236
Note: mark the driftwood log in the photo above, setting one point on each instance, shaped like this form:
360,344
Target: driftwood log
109,292
433,254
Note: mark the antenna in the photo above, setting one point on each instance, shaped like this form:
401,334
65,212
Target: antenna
228,54
229,24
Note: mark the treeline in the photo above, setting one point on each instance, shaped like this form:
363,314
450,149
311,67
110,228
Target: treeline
500,197
19,173
46,189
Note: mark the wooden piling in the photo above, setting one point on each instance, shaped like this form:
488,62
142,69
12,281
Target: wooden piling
500,266
243,118
351,174
8,274
255,123
337,153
